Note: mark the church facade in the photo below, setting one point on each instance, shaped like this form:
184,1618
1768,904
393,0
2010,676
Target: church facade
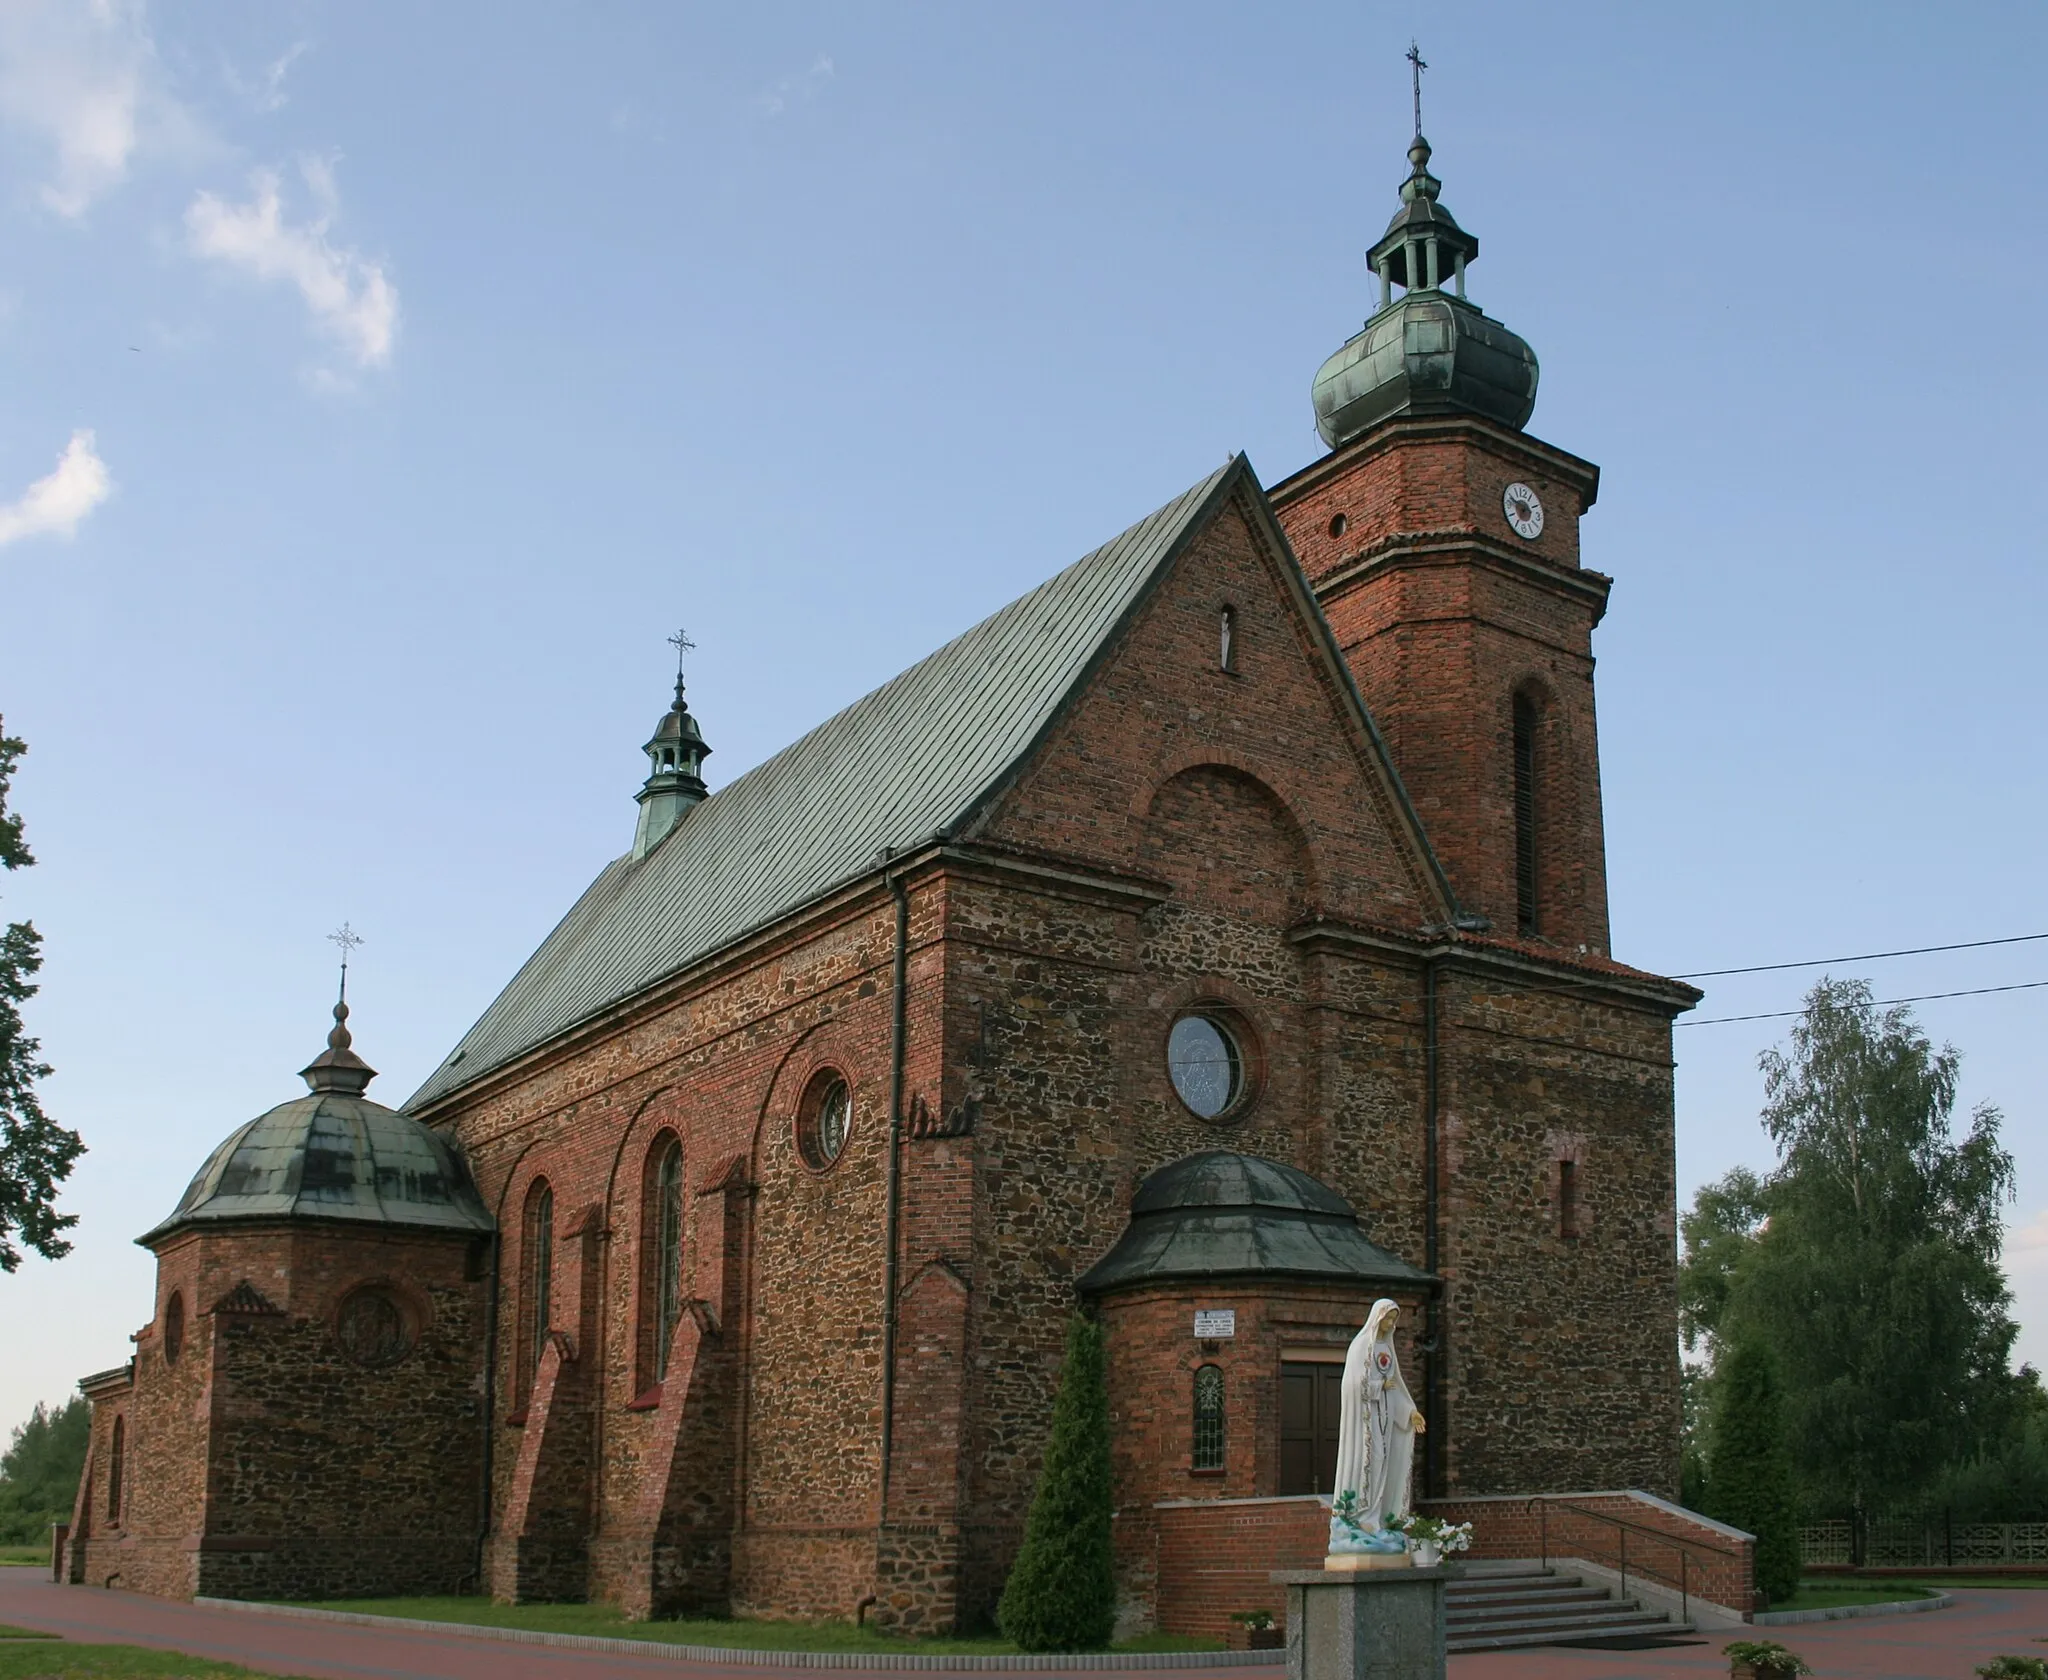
1214,939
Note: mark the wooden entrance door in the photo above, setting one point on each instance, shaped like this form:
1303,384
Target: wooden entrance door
1308,1426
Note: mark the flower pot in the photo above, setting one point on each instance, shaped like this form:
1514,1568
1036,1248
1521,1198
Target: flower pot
1265,1639
1428,1554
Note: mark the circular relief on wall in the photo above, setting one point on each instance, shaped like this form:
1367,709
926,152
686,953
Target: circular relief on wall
823,1120
174,1327
1205,1059
372,1328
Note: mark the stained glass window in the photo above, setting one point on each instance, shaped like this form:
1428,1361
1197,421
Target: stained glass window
1209,1418
1206,1067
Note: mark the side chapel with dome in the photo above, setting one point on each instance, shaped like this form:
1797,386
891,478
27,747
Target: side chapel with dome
1214,939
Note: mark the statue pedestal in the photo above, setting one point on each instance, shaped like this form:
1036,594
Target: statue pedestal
1365,1624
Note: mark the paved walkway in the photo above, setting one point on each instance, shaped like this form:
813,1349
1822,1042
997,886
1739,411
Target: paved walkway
1943,1645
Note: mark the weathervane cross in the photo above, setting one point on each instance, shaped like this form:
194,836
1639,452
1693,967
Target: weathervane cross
347,939
681,642
1416,65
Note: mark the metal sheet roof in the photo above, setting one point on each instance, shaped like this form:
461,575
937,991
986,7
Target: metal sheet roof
332,1156
890,771
1221,1214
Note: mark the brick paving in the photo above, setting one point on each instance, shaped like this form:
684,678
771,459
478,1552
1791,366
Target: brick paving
1943,1645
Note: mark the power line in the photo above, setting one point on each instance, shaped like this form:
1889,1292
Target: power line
1887,1003
1868,956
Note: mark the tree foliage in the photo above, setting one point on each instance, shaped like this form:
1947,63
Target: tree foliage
1749,1481
39,1472
1061,1595
1867,1263
36,1154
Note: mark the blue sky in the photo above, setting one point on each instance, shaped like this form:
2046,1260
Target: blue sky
386,382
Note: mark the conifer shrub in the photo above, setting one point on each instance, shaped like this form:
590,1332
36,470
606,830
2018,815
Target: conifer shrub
1061,1594
1749,1479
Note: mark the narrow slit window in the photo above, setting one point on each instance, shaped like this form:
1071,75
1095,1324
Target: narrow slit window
117,1468
668,1257
1568,1198
1208,1418
540,1273
1526,905
1227,639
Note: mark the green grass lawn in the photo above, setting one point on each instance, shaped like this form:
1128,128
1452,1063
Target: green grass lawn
1825,1594
25,1554
61,1660
605,1622
7,1632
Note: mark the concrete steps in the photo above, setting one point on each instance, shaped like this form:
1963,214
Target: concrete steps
1495,1607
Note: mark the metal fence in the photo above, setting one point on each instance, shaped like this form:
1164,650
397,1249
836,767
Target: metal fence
1924,1541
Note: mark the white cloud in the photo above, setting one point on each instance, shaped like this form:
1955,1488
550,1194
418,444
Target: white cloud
264,92
54,506
81,76
795,89
351,298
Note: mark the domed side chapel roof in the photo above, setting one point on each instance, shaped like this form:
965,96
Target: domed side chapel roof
1222,1214
333,1155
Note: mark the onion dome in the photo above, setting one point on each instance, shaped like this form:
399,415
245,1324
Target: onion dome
1221,1214
1428,351
675,782
335,1155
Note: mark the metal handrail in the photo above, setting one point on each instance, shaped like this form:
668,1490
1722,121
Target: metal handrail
1541,1504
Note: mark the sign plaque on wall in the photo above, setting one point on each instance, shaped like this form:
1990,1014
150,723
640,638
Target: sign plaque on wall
1213,1324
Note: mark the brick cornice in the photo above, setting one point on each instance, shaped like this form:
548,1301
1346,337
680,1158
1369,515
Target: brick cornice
1557,976
1407,550
1520,447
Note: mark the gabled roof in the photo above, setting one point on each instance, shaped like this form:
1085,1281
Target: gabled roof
905,763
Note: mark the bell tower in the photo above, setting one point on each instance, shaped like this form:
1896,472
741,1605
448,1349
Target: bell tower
1443,543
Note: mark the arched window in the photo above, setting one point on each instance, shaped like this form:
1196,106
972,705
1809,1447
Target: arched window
1208,1418
1527,907
117,1468
662,1232
539,1242
174,1327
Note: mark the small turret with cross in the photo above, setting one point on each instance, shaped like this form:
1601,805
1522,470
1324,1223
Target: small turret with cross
677,751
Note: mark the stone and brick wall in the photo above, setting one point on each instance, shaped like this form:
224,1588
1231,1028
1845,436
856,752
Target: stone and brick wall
260,1459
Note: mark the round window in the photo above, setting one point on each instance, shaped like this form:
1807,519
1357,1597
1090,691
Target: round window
1206,1065
826,1119
371,1328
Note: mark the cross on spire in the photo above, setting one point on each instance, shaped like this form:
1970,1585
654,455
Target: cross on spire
1416,65
681,642
347,939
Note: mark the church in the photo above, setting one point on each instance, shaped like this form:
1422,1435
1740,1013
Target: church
1213,940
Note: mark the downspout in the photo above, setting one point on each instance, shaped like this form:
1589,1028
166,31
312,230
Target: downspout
899,1033
1432,1245
490,1414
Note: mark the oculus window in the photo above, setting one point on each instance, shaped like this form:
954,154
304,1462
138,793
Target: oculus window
825,1120
1206,1064
371,1328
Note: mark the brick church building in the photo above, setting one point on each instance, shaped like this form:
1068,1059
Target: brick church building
1214,939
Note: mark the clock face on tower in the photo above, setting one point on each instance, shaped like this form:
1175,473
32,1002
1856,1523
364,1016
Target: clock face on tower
1524,510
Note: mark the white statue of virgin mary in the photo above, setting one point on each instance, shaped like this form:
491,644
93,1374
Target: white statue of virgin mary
1377,1423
